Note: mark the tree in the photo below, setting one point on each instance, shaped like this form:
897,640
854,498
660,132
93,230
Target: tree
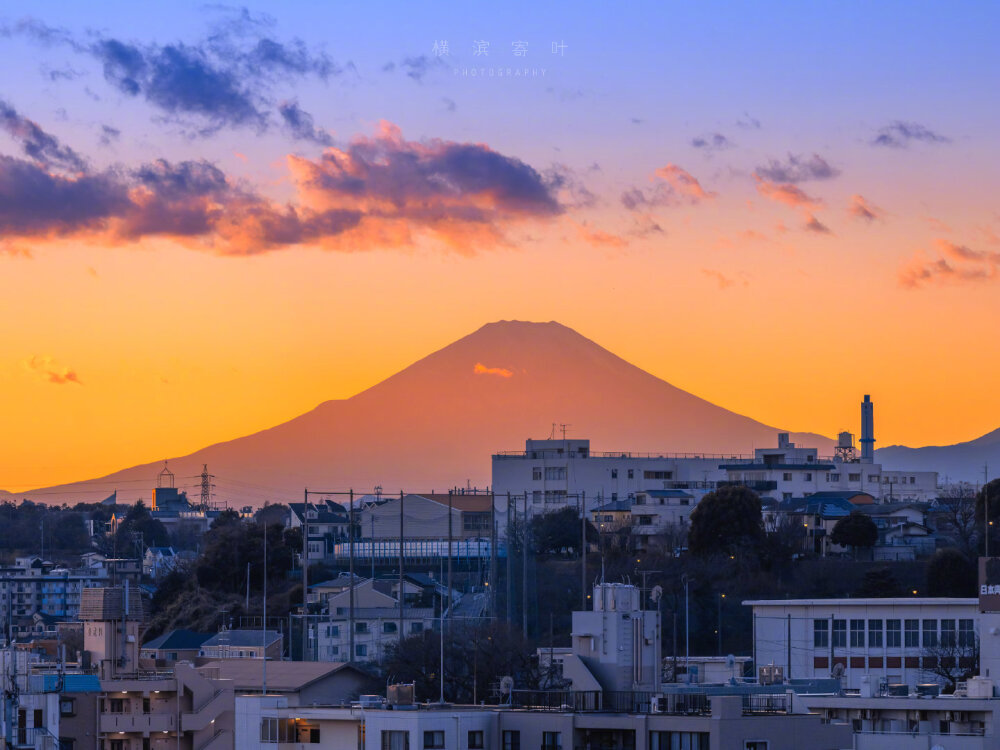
989,497
950,573
956,514
955,658
880,582
556,531
727,521
856,530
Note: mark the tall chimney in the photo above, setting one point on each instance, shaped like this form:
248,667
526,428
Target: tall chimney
867,431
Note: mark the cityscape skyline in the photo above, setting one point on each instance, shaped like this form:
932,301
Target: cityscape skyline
774,227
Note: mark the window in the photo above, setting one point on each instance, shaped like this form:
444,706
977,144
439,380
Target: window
857,633
361,627
755,745
277,730
833,477
786,477
333,631
476,740
389,627
536,474
678,741
657,475
930,633
913,480
614,473
913,633
555,472
875,634
839,633
551,741
854,477
948,633
873,478
511,740
361,650
393,739
821,633
66,743
966,633
631,473
416,627
892,633
809,476
434,739
645,520
67,706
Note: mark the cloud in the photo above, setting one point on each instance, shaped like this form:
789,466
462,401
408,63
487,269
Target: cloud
299,123
599,237
719,278
798,169
500,372
899,134
672,185
815,225
712,142
44,148
449,104
953,264
563,182
859,208
747,122
221,81
45,368
381,191
788,194
109,135
418,67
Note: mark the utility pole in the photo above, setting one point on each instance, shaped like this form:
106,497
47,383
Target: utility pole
400,634
687,627
524,571
450,511
510,549
583,551
493,557
263,625
350,547
305,573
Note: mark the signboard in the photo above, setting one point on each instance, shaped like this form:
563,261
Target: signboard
989,584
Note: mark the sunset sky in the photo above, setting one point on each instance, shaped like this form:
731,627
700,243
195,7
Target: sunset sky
213,219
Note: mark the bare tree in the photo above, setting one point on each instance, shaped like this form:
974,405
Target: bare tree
953,660
956,514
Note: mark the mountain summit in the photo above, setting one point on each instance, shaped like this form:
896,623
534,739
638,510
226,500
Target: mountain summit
435,424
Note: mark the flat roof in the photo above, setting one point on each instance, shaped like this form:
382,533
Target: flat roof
867,601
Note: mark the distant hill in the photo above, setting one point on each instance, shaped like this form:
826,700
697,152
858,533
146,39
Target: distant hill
959,462
435,424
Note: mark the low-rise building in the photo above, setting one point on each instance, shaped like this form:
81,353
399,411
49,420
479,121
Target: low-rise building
897,640
242,644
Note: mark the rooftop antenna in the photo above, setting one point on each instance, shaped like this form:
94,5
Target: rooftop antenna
563,428
552,434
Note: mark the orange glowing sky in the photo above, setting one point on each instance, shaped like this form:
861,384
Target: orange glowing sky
743,273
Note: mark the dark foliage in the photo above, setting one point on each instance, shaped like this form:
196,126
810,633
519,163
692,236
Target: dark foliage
950,573
727,522
856,530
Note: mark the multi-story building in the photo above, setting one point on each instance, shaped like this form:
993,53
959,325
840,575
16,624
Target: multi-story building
895,641
32,585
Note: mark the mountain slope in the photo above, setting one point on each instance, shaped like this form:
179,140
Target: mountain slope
435,424
958,462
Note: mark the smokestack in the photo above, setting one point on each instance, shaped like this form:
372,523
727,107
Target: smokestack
867,431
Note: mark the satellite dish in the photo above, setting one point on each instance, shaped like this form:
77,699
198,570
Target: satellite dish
838,670
506,684
656,593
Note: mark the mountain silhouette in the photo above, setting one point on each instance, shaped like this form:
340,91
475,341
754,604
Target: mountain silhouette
971,461
435,424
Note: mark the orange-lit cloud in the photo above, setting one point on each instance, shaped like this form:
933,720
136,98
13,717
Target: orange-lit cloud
500,372
860,208
599,237
684,183
45,368
786,193
719,278
954,264
382,191
815,225
672,185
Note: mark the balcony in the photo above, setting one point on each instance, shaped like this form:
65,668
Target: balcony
111,723
582,701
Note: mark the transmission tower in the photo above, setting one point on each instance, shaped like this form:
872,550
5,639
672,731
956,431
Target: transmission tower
206,487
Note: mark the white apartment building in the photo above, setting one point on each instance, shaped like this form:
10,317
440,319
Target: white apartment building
554,474
881,639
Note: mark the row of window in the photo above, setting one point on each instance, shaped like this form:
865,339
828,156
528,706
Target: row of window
511,740
389,627
910,633
288,730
